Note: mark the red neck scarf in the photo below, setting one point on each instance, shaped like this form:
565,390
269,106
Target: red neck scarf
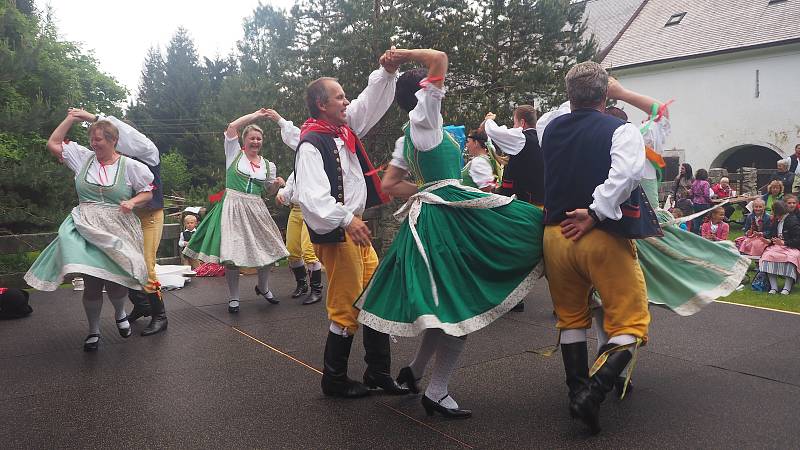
344,132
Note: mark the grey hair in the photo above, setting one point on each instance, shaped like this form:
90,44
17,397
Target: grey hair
317,93
587,85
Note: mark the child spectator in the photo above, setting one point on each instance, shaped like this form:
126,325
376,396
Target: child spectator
791,203
701,196
677,213
716,229
190,224
756,224
782,257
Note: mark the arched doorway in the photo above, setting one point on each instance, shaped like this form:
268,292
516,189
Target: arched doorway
747,155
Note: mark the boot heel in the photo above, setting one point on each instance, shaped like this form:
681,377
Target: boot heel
428,409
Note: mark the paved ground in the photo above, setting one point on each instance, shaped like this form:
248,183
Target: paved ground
726,377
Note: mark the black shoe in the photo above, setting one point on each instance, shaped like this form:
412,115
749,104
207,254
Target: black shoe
267,296
316,288
300,279
519,307
335,382
141,307
233,308
454,413
91,346
406,377
582,405
158,318
385,382
124,332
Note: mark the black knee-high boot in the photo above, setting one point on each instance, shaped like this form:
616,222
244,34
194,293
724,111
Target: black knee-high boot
300,279
576,367
158,318
141,307
316,288
379,362
335,382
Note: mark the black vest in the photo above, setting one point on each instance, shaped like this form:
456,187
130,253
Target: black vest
524,175
187,235
333,169
793,163
577,158
157,202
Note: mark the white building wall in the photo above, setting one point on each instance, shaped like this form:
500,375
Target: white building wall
716,107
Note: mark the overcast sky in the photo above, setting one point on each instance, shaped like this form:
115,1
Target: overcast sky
120,31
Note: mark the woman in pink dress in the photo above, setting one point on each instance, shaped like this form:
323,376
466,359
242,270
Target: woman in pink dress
782,258
756,224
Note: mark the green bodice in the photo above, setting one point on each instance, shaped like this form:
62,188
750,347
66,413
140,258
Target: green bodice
114,194
466,178
238,181
440,163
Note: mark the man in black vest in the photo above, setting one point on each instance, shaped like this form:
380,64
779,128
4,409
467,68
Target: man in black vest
524,173
336,182
593,163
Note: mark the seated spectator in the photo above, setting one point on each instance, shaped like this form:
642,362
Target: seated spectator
723,190
791,203
782,258
715,229
701,197
784,176
678,213
687,209
774,193
756,225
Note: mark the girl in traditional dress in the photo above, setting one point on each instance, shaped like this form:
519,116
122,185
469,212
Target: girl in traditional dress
782,258
448,272
756,224
483,170
101,240
239,230
715,229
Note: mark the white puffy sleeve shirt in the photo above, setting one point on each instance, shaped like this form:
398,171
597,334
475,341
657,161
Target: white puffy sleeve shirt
510,140
137,175
656,138
627,165
426,124
288,191
135,144
263,173
321,212
481,172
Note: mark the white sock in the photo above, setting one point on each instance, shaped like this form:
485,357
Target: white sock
93,305
773,281
571,336
232,277
600,332
119,311
263,280
296,264
622,339
787,285
430,340
316,265
336,329
447,353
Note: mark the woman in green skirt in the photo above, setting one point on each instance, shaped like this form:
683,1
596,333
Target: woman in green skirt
462,257
239,230
101,239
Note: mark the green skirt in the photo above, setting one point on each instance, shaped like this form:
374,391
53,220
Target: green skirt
482,255
685,272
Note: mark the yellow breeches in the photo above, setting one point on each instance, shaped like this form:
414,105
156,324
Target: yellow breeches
297,240
605,261
152,226
349,268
